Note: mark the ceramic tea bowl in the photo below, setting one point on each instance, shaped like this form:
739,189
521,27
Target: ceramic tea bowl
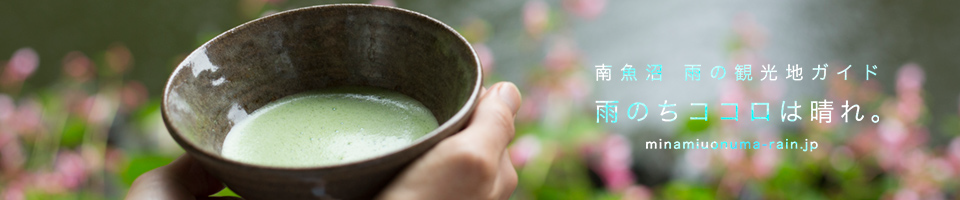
306,49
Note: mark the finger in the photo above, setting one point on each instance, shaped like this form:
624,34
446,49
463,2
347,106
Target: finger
155,184
181,179
507,180
491,126
186,172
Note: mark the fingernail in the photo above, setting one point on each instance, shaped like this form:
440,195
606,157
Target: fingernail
509,94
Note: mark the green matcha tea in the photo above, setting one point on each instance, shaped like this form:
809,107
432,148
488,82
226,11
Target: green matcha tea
328,127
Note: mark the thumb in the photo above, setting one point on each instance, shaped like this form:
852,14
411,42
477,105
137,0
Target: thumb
492,121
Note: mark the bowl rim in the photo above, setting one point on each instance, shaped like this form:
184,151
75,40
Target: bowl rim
467,107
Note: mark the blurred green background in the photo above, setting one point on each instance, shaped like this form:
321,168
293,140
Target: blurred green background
80,86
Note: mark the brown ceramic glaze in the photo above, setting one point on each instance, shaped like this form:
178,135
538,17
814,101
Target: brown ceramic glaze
310,48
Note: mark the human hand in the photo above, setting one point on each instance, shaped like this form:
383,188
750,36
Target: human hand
183,178
472,164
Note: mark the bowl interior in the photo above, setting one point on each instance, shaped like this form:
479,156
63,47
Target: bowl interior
247,67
